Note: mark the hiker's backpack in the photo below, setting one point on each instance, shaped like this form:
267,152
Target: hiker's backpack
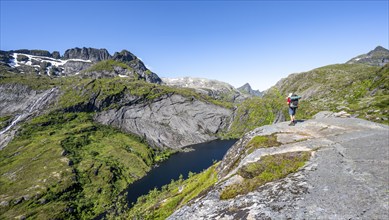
294,101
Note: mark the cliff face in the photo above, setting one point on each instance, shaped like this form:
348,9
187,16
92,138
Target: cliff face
345,178
18,103
171,121
91,54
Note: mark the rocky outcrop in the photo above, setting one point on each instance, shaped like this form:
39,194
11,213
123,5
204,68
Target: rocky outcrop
84,53
377,57
246,88
124,56
136,64
75,67
56,55
43,53
5,56
345,178
171,121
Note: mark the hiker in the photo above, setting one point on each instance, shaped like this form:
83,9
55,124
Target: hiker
292,102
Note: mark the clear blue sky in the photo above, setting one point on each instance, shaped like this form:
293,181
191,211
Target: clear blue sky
233,41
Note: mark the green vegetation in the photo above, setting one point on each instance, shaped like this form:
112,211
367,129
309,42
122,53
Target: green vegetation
159,204
256,112
107,65
262,142
5,121
62,162
268,168
33,81
80,92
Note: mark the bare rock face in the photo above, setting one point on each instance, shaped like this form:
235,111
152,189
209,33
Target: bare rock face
20,102
346,177
171,121
74,67
84,53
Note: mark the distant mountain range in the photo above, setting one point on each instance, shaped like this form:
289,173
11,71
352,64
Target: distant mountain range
213,88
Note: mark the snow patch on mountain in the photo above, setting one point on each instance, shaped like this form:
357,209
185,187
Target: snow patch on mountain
52,61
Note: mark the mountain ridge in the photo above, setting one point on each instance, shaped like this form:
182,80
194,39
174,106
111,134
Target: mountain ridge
214,88
75,61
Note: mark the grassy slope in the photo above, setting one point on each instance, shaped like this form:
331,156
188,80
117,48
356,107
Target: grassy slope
358,89
67,162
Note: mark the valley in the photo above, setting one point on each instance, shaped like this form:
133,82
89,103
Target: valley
80,130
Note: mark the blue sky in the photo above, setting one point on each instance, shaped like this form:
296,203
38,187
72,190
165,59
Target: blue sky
233,41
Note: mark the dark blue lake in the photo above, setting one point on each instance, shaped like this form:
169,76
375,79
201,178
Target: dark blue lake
201,158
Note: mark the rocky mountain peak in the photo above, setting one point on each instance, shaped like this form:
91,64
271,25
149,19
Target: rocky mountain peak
377,57
380,48
124,56
84,53
246,88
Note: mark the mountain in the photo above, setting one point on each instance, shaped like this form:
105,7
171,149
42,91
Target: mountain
377,57
246,88
86,62
216,89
